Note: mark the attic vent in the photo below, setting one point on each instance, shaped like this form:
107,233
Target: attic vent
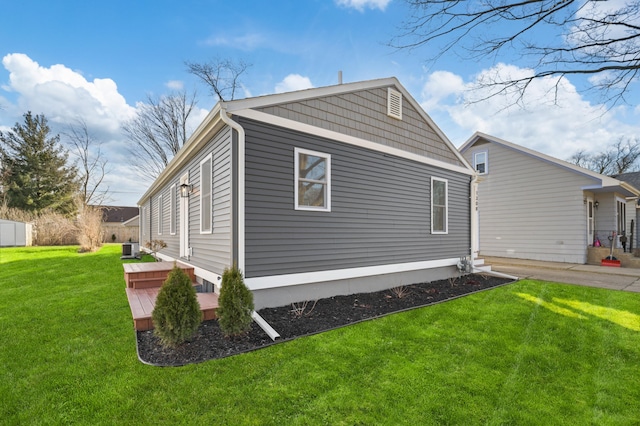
394,104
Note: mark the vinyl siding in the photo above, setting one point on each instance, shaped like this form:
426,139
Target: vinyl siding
210,251
380,208
530,208
363,114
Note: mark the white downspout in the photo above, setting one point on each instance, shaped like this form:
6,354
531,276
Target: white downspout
474,218
241,182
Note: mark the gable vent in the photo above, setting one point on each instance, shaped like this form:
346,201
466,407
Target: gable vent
394,104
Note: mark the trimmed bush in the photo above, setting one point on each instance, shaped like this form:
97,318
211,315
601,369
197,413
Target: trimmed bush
235,303
177,315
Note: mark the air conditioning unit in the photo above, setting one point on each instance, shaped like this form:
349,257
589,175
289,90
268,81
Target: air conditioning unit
130,251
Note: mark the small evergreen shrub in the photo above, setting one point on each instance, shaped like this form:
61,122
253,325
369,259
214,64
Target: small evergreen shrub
235,303
177,315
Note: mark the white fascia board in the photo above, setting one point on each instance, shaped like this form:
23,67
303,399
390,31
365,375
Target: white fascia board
351,140
200,136
300,95
275,281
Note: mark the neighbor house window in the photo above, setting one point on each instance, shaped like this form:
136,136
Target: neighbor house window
439,208
160,215
480,162
206,205
172,210
312,180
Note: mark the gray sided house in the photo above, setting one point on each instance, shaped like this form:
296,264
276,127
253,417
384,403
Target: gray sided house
534,206
315,193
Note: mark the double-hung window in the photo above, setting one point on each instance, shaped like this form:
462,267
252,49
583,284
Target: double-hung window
439,206
160,214
312,180
206,203
172,210
480,162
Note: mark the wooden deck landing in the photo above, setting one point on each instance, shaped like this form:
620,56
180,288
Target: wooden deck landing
143,284
142,302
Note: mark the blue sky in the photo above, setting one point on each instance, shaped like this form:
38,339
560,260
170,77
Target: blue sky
99,60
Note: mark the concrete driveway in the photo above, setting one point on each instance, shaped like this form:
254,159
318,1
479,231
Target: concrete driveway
627,279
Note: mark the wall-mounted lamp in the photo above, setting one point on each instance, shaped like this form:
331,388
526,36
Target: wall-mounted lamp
185,190
596,204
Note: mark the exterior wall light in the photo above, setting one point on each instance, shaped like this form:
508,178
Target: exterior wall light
185,190
596,204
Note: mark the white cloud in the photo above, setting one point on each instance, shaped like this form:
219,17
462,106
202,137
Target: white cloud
248,41
293,82
175,84
361,5
63,94
553,119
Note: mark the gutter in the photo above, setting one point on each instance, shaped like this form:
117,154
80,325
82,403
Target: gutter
224,116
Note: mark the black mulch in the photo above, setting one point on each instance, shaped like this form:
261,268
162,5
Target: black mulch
302,319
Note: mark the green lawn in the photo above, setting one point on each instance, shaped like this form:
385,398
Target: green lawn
527,353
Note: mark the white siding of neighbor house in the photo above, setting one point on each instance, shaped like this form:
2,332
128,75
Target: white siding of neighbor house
530,208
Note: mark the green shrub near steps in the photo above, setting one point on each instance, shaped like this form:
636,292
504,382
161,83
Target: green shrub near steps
235,303
177,315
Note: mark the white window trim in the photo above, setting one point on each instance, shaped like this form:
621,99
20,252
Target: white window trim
172,209
446,205
160,214
486,162
296,178
210,218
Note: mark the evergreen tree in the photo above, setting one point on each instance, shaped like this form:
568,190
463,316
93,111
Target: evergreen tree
235,303
35,168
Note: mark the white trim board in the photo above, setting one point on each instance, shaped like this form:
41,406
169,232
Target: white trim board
351,140
275,281
212,277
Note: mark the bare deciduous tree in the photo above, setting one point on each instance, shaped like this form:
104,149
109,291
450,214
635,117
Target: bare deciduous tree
600,39
620,158
92,166
221,75
158,131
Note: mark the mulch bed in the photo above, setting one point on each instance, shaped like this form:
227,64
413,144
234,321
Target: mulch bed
302,319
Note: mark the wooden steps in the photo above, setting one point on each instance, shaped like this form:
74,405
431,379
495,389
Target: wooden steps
143,284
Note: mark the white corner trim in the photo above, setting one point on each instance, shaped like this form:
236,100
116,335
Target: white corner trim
275,281
351,140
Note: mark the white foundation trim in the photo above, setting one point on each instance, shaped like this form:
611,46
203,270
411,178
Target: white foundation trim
275,281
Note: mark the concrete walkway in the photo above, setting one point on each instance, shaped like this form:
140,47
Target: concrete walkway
627,279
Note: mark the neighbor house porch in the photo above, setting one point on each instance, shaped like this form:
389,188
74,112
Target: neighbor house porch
144,281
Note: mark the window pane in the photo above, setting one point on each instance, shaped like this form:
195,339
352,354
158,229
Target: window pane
311,194
438,219
439,196
205,196
480,168
312,167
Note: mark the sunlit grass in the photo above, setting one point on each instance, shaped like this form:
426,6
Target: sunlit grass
527,353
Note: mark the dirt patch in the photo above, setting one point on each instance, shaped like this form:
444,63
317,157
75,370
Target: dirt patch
301,319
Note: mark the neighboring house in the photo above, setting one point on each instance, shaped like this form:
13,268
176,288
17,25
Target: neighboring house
632,178
314,193
534,206
120,222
